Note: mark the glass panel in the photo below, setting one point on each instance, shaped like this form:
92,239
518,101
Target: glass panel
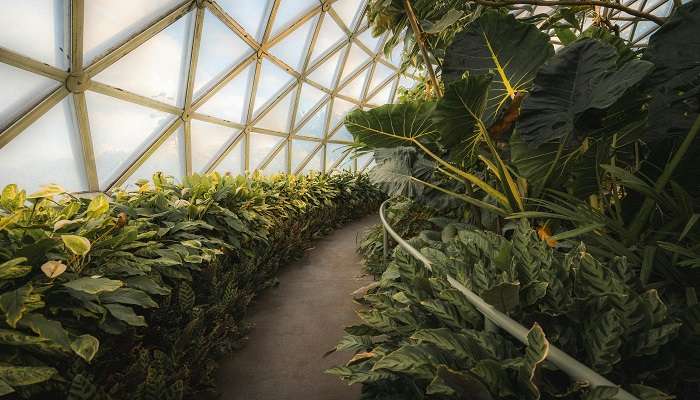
158,68
315,164
220,50
36,28
396,54
260,147
110,23
381,74
278,164
364,160
370,41
383,96
315,126
208,141
300,150
280,117
356,59
231,102
406,82
292,49
309,98
334,152
234,162
290,11
20,91
340,108
251,15
328,38
354,88
169,159
348,164
325,74
347,10
273,80
120,131
48,151
343,134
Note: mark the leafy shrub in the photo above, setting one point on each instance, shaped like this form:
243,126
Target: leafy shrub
135,296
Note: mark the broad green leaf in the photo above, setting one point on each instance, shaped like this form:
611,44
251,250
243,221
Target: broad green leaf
53,269
77,244
498,44
504,297
13,268
94,285
449,18
147,284
603,339
126,314
583,76
674,50
535,354
47,191
85,346
448,382
98,206
414,360
13,304
48,329
401,171
24,376
127,295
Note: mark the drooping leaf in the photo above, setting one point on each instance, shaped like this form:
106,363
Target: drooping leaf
13,268
77,244
125,295
147,284
126,314
48,329
94,285
581,77
13,304
535,353
449,18
399,171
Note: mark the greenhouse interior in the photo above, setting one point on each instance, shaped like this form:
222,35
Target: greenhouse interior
350,199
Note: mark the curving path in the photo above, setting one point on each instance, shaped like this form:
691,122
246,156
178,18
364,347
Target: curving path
296,323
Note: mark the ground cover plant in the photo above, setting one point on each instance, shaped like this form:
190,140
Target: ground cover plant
136,295
588,154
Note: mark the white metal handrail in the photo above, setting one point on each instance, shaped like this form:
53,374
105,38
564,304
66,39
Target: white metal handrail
563,361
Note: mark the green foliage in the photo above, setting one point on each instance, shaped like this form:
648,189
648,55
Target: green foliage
136,295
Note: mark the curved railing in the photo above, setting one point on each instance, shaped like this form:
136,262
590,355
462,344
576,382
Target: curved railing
563,361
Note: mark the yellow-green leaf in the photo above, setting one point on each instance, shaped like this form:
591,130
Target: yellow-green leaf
14,269
53,269
85,346
77,244
98,206
47,191
94,285
13,304
23,376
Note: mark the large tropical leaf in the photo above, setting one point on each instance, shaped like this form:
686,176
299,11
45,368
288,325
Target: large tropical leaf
675,83
582,77
497,43
392,125
399,171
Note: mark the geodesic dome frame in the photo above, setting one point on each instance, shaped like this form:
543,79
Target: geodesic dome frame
103,92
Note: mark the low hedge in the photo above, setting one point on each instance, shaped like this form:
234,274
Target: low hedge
137,295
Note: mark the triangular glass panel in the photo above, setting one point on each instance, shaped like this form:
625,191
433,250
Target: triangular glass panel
208,141
396,54
325,73
278,164
289,12
328,38
168,158
356,85
309,98
251,15
261,146
340,108
273,80
220,50
234,162
20,91
355,60
293,48
316,162
300,150
120,132
380,75
280,116
158,68
383,96
334,152
315,126
35,28
370,41
231,102
342,134
348,10
48,151
110,23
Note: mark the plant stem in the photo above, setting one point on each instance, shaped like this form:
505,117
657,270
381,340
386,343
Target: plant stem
649,203
554,3
418,33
